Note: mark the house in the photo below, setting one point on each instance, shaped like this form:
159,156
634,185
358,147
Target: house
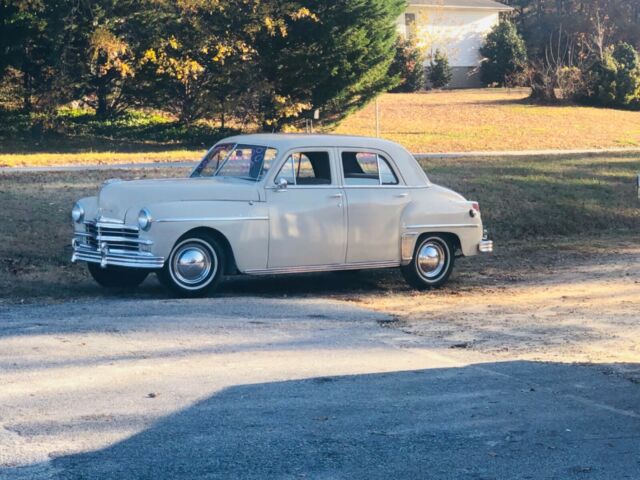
456,27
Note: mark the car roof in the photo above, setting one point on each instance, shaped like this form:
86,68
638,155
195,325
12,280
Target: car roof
409,167
300,140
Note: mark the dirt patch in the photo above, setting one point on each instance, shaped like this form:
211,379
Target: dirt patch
564,302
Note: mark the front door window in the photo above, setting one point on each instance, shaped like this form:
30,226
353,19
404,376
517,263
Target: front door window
306,168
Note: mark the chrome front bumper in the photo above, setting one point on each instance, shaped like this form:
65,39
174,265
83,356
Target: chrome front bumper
113,244
117,258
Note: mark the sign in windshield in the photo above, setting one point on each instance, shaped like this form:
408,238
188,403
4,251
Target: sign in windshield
248,162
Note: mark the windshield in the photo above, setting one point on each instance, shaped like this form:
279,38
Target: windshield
248,162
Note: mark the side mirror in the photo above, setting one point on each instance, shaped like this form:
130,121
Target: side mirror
282,183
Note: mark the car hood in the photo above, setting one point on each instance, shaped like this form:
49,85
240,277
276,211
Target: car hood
119,197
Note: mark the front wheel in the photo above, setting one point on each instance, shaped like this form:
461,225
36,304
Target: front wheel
117,277
194,266
432,263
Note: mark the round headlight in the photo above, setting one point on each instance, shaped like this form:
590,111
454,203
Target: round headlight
77,213
144,219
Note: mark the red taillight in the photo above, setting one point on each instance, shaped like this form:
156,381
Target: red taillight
475,209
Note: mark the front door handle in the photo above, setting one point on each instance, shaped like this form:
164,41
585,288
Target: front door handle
402,195
336,195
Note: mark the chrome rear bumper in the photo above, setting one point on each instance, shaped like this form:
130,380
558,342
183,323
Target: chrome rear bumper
485,246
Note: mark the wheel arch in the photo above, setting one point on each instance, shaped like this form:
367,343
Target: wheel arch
453,239
230,266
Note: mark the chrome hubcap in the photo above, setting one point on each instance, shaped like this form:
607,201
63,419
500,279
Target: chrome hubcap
431,260
192,263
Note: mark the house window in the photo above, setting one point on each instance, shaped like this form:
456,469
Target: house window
410,25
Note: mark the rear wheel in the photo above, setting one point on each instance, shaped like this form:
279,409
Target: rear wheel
432,263
194,266
117,277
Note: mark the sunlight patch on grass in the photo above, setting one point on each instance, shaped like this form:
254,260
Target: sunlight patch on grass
492,120
99,158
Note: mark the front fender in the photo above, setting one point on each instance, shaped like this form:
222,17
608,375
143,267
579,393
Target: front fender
244,224
90,207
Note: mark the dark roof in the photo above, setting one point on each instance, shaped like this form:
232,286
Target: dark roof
483,4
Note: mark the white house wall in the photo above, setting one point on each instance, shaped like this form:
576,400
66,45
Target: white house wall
459,32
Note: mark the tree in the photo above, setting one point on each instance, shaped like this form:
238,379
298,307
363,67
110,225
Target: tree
329,55
271,62
32,43
111,36
408,66
615,79
537,19
440,73
505,54
274,61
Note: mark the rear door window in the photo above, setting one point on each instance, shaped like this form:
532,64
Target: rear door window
367,168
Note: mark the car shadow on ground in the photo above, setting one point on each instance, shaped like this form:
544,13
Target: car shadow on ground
515,420
343,284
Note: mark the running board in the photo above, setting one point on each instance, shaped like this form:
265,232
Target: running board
324,268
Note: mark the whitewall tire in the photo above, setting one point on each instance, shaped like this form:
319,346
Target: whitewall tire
194,267
432,263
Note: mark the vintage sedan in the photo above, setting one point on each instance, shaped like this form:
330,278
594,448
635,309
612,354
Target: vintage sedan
278,204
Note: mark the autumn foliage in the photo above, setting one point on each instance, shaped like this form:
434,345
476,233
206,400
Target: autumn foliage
271,63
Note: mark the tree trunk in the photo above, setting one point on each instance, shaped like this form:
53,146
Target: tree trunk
27,84
102,110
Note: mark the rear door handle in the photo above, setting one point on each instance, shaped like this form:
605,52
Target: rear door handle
336,195
402,195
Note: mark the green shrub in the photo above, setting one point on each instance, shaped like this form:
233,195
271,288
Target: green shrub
615,79
440,72
408,65
505,54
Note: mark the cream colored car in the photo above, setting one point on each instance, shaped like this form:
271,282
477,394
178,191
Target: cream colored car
271,204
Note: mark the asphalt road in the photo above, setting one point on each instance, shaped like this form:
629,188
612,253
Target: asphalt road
290,388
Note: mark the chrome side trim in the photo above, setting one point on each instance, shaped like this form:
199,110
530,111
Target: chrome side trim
386,187
453,225
209,219
324,268
293,186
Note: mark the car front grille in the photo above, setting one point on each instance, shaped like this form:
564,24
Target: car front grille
115,236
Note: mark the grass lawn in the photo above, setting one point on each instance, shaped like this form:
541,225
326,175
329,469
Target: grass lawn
97,158
78,138
492,120
453,121
525,201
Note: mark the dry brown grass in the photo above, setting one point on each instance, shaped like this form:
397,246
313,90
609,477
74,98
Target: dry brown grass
492,120
522,199
96,158
448,121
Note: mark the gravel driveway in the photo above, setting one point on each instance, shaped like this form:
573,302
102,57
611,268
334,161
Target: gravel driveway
245,387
